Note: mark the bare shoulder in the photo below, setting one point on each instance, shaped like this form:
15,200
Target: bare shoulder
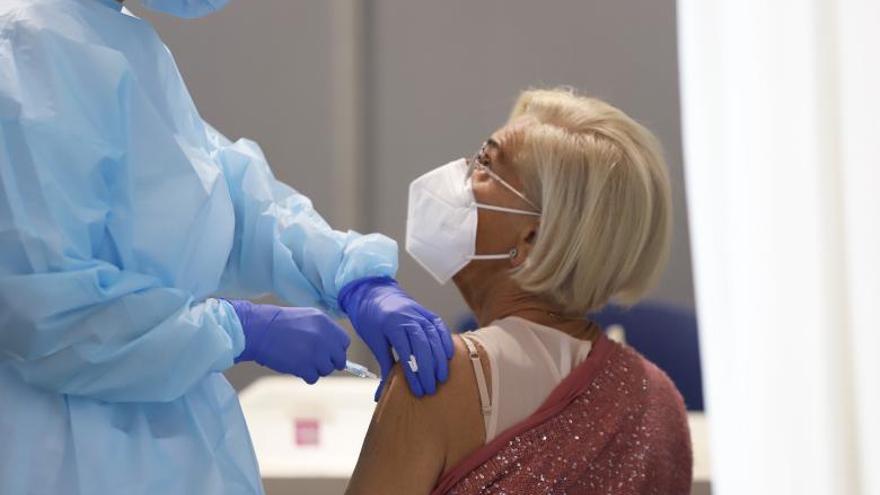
454,409
412,441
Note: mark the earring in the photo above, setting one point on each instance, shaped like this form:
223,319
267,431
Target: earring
513,253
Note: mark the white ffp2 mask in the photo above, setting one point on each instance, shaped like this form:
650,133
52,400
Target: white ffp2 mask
441,223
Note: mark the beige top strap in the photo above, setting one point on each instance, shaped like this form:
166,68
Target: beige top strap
481,378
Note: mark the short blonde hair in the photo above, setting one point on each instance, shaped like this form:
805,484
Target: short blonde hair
603,187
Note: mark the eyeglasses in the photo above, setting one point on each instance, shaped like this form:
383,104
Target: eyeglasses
480,161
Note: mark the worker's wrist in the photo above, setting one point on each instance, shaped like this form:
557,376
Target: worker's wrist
243,310
353,292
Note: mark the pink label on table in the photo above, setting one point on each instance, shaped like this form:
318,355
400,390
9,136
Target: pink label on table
306,431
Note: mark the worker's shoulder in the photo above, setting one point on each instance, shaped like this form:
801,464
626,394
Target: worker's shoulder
46,27
37,16
68,53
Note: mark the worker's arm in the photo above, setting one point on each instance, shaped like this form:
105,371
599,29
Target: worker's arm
282,245
96,331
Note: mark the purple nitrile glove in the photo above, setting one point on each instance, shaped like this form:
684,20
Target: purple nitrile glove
299,341
386,317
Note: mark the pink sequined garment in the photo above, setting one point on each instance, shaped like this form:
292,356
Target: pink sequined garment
615,425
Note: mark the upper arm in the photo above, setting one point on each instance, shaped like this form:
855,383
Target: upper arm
412,441
404,449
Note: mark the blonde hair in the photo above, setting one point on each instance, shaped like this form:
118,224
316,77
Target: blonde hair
603,187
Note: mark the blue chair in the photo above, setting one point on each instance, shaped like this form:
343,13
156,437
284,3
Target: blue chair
665,334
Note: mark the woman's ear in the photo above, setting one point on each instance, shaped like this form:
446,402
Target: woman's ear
524,245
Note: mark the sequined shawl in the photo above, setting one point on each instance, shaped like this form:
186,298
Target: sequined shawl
615,425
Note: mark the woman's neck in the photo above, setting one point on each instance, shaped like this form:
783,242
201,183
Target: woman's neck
498,296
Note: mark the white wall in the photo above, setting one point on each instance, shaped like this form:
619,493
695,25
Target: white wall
438,78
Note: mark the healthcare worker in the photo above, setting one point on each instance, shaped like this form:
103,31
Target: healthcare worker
121,214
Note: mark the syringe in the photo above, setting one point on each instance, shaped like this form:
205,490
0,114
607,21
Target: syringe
359,370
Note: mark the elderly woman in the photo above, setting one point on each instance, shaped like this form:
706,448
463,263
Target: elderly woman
564,208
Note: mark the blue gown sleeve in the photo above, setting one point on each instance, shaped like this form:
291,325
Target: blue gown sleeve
96,331
73,320
282,245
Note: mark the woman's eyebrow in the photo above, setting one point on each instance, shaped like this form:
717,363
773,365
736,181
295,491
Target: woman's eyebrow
493,143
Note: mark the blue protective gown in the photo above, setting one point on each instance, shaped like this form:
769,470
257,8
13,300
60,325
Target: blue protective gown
121,213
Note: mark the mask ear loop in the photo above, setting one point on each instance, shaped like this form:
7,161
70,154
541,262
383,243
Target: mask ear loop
513,252
507,210
506,256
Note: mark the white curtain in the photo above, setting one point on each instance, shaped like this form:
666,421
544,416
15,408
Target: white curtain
781,116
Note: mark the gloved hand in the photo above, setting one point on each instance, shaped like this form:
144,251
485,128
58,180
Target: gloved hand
299,341
385,316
